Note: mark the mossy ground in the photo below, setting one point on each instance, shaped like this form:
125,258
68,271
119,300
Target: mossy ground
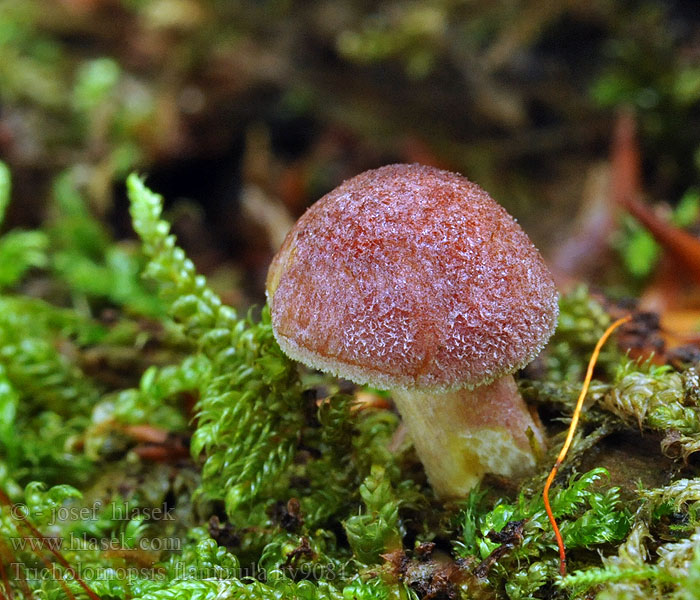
227,471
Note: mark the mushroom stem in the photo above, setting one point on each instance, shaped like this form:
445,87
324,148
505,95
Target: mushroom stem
461,435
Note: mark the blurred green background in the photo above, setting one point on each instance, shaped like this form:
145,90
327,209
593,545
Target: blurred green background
242,113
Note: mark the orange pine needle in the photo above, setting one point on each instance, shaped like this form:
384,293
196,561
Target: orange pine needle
570,437
34,532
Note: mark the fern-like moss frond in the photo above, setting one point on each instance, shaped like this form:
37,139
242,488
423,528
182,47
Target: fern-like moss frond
512,535
378,530
249,414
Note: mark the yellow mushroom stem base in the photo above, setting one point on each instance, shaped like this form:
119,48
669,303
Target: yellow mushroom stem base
462,435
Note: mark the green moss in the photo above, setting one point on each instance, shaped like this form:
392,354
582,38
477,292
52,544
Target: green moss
292,489
513,535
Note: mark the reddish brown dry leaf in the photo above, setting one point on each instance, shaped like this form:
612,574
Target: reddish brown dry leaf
626,186
585,248
681,326
147,433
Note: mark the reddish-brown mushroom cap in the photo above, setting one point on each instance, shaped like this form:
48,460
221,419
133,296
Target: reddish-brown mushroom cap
408,276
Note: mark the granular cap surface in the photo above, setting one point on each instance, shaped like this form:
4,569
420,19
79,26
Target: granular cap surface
413,277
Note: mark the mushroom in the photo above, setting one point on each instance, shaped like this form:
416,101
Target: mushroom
412,279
